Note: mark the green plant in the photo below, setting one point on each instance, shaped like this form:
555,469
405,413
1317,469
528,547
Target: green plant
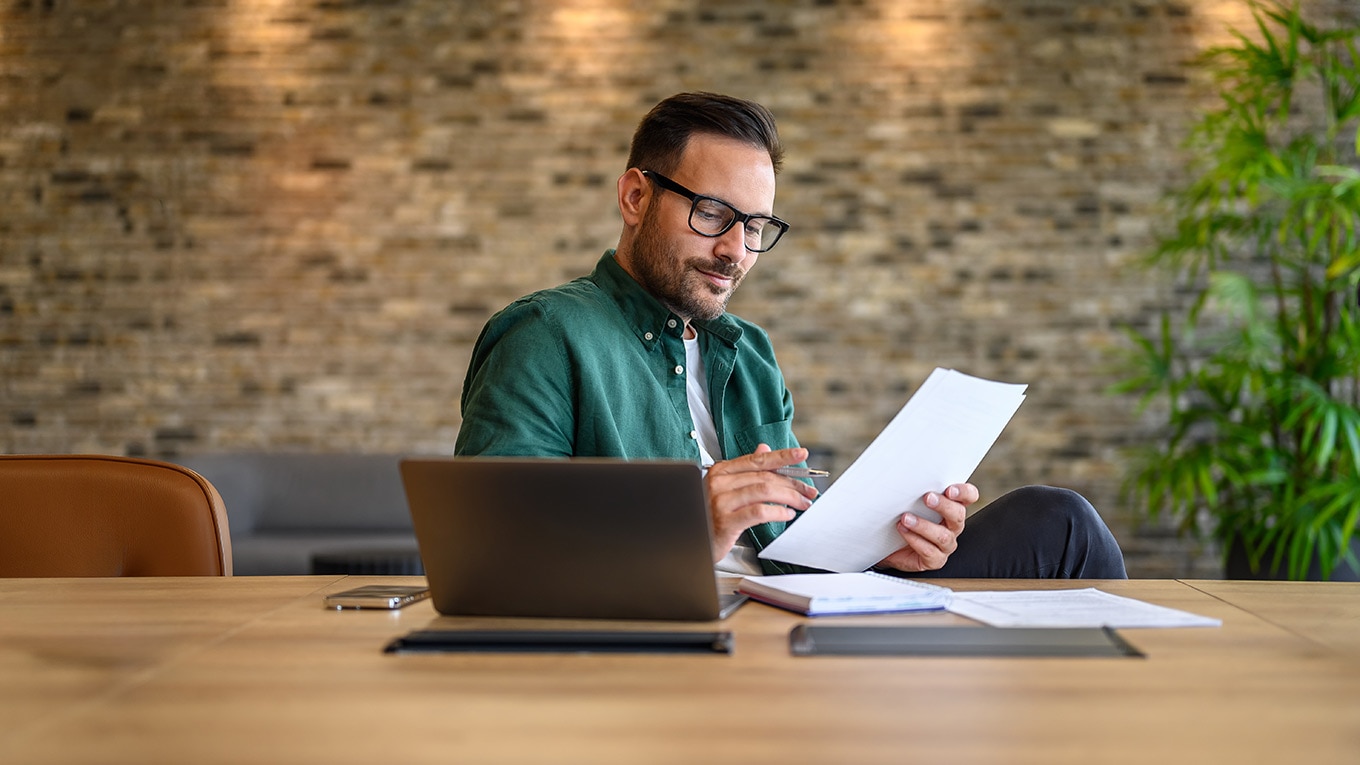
1260,377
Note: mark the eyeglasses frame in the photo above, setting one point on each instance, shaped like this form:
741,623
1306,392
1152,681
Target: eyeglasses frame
738,215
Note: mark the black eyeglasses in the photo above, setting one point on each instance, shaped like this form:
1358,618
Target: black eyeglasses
712,217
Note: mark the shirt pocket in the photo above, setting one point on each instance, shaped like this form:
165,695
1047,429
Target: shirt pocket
779,435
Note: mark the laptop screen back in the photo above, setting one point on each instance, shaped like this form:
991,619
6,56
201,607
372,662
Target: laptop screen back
564,538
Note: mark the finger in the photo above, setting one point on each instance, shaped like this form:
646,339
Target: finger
916,555
941,538
905,559
952,513
756,514
774,490
763,458
759,468
768,482
919,553
727,527
963,493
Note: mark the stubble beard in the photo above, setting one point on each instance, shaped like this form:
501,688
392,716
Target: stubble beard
675,281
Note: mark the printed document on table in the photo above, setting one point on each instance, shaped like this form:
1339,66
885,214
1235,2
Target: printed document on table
1070,608
938,438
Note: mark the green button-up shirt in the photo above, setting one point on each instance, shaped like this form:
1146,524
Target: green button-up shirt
596,368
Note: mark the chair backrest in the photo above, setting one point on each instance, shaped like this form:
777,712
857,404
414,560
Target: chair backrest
95,515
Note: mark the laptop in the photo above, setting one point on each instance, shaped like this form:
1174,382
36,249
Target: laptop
565,538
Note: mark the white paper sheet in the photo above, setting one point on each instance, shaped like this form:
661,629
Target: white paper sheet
1070,608
938,438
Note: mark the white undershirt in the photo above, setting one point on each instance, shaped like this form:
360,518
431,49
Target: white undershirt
741,559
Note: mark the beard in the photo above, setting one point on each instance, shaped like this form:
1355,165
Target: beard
675,280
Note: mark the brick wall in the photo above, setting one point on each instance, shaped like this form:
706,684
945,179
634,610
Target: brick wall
280,224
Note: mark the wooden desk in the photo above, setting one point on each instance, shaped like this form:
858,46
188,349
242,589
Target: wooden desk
255,670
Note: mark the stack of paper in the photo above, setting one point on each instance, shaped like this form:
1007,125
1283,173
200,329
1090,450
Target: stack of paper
1087,607
938,438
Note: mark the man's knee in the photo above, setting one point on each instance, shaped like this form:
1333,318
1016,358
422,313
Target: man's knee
1059,509
1065,512
1051,503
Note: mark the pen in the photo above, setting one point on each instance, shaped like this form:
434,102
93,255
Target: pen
799,472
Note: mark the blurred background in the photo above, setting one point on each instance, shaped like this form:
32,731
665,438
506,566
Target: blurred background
278,225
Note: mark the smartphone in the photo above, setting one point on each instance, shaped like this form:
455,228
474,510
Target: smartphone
385,596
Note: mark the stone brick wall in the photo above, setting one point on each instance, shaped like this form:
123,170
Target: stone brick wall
248,224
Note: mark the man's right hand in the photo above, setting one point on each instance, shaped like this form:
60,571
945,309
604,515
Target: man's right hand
746,492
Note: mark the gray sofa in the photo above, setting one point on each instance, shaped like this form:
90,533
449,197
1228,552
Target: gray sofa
313,513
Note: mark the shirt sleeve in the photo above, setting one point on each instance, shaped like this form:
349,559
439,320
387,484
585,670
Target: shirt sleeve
517,395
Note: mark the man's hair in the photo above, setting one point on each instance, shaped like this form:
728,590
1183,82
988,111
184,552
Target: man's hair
662,135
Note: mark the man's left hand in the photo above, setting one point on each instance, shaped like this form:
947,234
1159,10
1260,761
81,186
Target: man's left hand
929,545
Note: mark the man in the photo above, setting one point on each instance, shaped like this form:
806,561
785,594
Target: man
640,360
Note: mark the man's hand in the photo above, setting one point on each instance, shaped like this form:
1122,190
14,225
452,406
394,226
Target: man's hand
929,545
746,492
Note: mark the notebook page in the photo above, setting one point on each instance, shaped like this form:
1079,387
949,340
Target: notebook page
845,593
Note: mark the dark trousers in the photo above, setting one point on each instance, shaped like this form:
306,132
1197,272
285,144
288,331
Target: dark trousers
1035,532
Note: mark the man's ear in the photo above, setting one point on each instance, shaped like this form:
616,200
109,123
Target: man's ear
635,193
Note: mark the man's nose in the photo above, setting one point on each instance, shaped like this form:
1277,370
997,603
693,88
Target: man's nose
731,245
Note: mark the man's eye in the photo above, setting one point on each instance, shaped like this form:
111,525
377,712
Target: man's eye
712,212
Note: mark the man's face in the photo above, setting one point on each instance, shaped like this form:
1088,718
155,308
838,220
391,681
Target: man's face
691,274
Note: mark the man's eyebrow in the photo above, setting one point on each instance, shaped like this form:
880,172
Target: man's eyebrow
706,195
769,214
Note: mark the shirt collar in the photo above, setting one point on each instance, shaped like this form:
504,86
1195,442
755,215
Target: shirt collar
648,317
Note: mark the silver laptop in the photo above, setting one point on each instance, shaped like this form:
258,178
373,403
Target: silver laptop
565,538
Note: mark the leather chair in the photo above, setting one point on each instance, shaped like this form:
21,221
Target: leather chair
95,515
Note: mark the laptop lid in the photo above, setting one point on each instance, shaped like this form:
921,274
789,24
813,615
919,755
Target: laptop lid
565,538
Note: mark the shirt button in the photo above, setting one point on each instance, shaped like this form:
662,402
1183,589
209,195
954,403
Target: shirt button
671,323
647,336
679,370
694,434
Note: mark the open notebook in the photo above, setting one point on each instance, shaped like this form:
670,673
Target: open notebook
852,593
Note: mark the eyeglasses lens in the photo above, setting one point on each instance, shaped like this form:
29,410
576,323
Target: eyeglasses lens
711,217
